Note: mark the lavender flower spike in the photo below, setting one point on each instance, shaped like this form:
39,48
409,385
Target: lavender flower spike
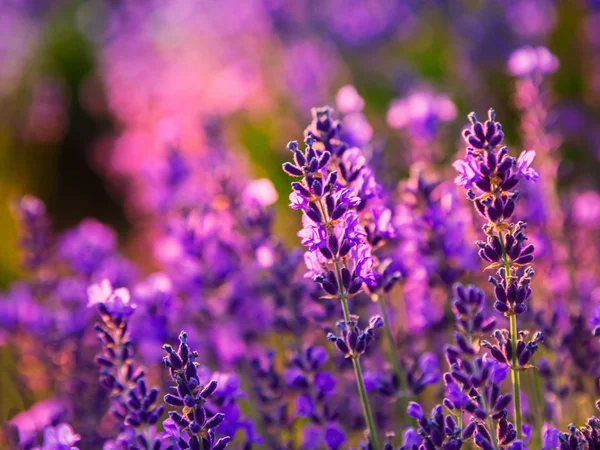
490,176
338,255
132,402
192,428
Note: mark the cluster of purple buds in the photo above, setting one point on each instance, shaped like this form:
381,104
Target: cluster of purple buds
133,404
305,376
512,245
506,436
421,370
503,350
494,175
467,304
587,437
326,131
116,360
468,381
512,297
436,432
353,341
492,171
192,428
331,231
315,386
270,388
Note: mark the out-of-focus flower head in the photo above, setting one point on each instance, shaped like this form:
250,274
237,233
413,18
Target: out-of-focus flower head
116,303
528,61
420,113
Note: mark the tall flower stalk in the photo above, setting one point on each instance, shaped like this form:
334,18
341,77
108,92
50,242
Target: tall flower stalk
338,256
347,145
490,175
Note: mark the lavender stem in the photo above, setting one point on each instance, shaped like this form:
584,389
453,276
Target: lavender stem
360,382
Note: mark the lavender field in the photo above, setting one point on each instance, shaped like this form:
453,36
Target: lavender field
300,225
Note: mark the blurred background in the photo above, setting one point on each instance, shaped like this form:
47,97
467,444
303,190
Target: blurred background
91,90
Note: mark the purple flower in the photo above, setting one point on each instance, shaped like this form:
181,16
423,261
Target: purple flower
524,168
549,437
348,100
259,192
467,172
305,407
60,437
595,320
415,411
116,302
334,436
410,439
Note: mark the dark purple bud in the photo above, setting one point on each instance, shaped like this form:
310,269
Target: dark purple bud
195,427
500,294
342,346
484,184
478,130
195,443
338,212
346,278
200,415
333,244
503,401
102,361
509,209
498,355
330,288
298,187
326,252
526,259
315,216
476,143
292,170
469,430
510,183
214,421
415,411
355,286
496,139
520,309
325,157
208,389
189,401
491,253
317,187
173,400
480,414
501,307
221,443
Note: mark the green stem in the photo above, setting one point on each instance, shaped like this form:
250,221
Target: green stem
360,382
402,382
516,380
488,420
514,335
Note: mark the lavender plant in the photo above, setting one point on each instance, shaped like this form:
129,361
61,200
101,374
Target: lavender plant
337,257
